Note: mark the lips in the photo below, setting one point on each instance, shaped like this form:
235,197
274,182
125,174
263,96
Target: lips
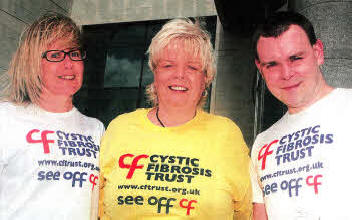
67,77
288,87
178,88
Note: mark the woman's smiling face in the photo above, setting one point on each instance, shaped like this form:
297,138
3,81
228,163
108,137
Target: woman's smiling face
61,78
179,78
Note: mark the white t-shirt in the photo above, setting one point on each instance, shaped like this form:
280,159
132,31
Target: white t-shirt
302,162
49,163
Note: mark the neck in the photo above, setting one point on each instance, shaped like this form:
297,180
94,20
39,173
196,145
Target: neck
171,117
57,104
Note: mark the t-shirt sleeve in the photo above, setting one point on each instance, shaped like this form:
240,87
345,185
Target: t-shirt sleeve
100,129
257,190
106,165
243,203
3,145
256,184
236,162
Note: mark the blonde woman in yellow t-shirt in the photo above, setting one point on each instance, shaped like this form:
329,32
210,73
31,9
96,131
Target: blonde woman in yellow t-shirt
174,161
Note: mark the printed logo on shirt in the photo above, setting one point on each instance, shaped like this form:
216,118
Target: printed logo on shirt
287,149
133,166
75,178
43,138
293,185
163,167
71,145
294,146
162,204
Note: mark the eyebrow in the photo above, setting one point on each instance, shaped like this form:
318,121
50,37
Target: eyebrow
163,60
300,53
72,48
266,63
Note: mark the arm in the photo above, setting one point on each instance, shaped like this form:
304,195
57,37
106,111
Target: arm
106,164
240,176
243,208
259,212
95,193
101,197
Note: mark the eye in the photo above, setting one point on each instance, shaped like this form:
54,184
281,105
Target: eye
195,68
294,58
55,54
166,65
270,64
76,53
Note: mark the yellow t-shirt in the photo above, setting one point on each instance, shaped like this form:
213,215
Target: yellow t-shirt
198,170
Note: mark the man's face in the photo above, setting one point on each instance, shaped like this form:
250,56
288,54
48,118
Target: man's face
290,67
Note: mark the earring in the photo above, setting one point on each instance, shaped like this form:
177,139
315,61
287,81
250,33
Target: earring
204,93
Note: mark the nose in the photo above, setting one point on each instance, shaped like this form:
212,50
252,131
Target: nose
287,72
67,62
181,71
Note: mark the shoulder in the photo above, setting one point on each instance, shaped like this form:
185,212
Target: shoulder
124,126
271,133
6,106
128,119
278,126
9,108
221,127
226,132
343,93
338,100
218,121
91,122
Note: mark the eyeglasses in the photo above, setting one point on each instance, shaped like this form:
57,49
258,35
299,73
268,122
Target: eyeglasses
59,55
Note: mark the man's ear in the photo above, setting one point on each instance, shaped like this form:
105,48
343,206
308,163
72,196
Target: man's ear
318,49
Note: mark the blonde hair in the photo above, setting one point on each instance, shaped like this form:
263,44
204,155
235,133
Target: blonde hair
25,67
195,39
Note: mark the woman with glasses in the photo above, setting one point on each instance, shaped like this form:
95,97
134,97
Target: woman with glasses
48,151
175,161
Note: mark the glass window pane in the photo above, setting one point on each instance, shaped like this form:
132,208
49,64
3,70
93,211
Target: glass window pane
123,67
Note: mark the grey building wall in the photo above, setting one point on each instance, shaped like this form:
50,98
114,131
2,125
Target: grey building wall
332,21
14,17
233,90
112,11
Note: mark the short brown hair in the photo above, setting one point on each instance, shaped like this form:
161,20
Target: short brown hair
278,23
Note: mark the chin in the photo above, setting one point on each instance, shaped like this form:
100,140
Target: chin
68,93
176,104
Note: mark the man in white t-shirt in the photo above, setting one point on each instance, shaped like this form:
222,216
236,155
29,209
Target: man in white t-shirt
299,161
49,151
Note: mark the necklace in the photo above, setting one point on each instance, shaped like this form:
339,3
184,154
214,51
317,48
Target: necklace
157,117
